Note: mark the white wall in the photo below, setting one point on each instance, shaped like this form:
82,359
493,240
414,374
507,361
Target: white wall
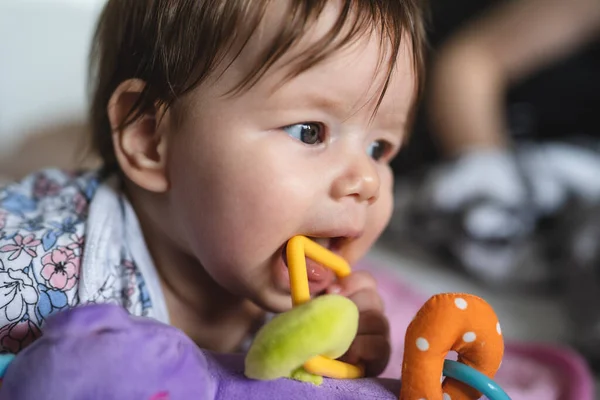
43,64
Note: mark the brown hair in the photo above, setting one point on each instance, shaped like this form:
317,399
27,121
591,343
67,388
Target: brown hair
173,45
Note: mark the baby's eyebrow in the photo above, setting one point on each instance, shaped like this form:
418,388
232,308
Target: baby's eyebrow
395,122
336,105
327,102
393,125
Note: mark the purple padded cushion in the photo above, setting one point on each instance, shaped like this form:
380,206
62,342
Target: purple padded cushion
100,352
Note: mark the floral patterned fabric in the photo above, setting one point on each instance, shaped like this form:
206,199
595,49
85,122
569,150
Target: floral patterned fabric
43,229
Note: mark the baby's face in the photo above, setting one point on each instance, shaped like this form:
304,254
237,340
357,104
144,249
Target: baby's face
250,171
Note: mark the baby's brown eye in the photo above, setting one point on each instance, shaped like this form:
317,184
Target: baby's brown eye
379,149
309,133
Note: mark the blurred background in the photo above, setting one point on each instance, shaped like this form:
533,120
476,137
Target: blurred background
499,184
498,187
43,71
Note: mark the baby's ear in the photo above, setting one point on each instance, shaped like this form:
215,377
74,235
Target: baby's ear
140,146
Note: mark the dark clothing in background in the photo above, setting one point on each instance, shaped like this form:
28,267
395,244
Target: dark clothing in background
556,102
554,117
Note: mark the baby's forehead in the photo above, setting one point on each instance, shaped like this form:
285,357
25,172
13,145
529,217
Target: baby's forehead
341,55
291,39
346,83
281,23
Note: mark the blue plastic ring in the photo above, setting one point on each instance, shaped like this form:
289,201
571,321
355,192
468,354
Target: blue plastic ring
5,360
475,379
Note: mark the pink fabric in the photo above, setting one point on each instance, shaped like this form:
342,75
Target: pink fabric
530,371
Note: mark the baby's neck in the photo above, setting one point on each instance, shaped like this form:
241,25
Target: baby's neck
214,321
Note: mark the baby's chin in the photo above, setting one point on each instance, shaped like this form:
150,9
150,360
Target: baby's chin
274,301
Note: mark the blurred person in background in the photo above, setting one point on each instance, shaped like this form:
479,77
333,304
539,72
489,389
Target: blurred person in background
476,66
513,133
512,108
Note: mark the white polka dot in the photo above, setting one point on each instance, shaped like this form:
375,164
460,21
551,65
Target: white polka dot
498,329
469,337
422,344
442,378
460,303
447,396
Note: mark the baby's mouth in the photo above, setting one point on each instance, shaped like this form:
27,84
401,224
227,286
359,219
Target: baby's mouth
317,273
333,244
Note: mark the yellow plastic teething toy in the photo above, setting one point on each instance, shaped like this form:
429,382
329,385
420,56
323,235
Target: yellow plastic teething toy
297,249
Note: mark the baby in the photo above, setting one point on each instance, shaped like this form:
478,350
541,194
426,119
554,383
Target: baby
225,128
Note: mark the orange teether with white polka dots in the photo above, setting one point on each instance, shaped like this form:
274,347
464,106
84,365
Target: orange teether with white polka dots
448,322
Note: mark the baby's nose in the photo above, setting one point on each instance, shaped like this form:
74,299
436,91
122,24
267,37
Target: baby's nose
360,180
